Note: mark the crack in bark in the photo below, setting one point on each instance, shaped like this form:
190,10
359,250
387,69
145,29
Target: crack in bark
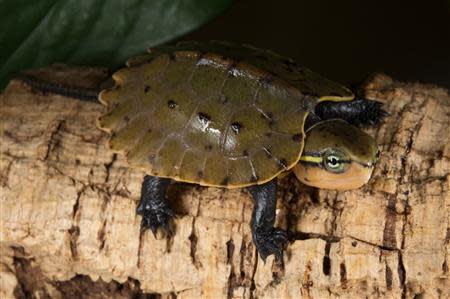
253,283
76,205
140,246
299,235
343,275
101,235
389,236
374,244
74,233
231,282
388,276
52,142
193,240
108,167
4,175
326,262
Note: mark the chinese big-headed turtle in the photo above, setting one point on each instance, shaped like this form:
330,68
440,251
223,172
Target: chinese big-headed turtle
234,116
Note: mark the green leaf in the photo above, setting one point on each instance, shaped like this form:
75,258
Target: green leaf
92,32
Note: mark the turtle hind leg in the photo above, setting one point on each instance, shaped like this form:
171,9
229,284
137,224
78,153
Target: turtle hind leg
360,111
153,206
268,240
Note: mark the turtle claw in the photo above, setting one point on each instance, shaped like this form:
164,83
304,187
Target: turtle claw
159,219
271,242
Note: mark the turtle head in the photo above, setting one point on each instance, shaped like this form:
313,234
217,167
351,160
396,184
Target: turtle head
336,156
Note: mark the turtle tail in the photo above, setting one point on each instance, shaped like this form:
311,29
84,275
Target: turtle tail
89,94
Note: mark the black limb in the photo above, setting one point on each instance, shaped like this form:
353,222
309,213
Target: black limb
154,208
268,240
360,111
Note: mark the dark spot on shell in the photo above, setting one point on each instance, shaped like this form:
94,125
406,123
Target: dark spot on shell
245,153
199,174
171,104
283,163
297,137
146,88
203,118
126,118
306,180
254,178
225,181
149,131
236,127
77,162
268,134
208,147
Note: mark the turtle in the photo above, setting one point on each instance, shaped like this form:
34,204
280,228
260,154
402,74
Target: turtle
228,115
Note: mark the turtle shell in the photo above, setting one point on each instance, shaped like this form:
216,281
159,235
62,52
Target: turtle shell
215,114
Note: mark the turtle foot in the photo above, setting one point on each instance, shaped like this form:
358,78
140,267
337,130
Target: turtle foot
157,219
271,242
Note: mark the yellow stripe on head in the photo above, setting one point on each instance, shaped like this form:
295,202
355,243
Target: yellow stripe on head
311,159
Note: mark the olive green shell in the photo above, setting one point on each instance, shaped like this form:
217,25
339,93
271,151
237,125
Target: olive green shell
214,113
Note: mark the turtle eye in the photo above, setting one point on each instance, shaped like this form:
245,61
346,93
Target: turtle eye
334,162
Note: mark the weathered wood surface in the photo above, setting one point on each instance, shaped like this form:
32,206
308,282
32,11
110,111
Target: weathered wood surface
68,208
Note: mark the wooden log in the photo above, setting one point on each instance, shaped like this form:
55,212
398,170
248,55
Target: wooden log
69,228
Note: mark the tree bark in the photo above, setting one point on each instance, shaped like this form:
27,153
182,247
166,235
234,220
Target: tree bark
69,228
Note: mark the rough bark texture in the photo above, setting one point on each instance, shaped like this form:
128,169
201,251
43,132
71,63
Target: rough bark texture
69,228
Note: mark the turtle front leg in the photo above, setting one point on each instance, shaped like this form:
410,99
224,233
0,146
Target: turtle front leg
268,240
359,111
154,208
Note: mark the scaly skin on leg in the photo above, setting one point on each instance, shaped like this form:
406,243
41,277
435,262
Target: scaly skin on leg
154,208
268,240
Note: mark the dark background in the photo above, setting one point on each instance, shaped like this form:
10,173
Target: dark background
345,40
